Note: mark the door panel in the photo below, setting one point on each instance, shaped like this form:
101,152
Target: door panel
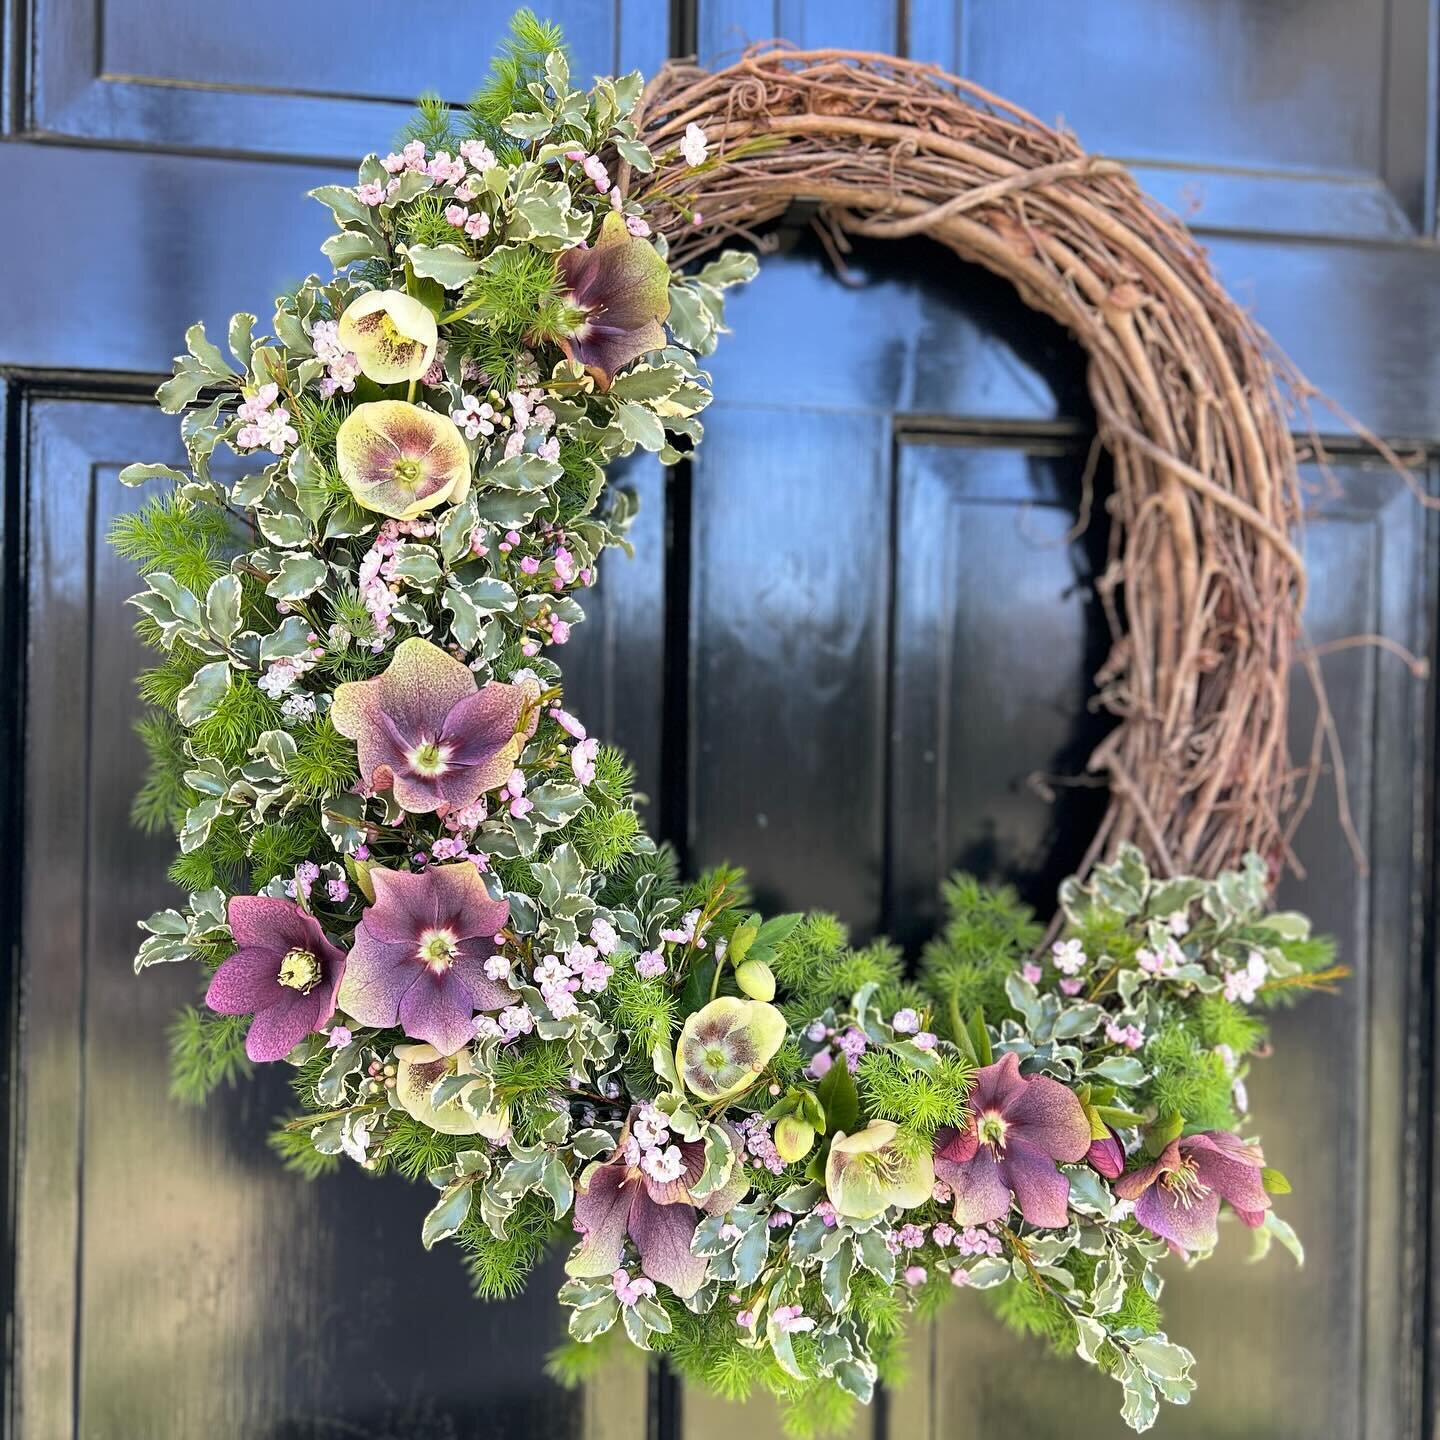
276,80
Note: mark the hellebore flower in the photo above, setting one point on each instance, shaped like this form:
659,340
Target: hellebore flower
1178,1196
422,728
392,335
419,1069
725,1045
1018,1128
616,1199
420,952
621,286
401,460
868,1172
285,973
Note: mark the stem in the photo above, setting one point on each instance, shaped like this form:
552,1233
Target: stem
1105,979
320,1117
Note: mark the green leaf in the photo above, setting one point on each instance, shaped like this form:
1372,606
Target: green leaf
1274,1182
349,246
182,387
139,474
640,426
1122,1069
635,153
222,608
732,267
836,1092
208,355
201,697
521,472
448,264
299,576
241,325
980,1037
344,204
695,993
449,1214
509,510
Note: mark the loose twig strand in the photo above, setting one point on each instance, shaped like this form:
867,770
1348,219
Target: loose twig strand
1205,584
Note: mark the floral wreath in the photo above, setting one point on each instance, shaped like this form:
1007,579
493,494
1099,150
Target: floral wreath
415,878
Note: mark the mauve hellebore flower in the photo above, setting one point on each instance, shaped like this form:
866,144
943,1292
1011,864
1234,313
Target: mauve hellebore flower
401,460
622,286
1178,1195
420,952
424,729
616,1199
1018,1128
285,973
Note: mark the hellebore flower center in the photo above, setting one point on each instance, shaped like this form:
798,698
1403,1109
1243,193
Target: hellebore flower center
299,970
438,949
991,1130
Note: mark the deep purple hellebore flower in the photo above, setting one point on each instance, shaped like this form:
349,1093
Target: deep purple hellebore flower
617,1199
621,286
423,728
420,952
1178,1196
1018,1128
285,973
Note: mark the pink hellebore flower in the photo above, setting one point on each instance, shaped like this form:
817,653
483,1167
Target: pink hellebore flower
616,1199
621,287
1178,1195
284,973
420,953
1019,1127
422,728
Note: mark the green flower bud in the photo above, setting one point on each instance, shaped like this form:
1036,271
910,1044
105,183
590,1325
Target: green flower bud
793,1138
756,979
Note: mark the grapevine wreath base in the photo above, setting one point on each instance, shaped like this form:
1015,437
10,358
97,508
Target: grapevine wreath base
415,878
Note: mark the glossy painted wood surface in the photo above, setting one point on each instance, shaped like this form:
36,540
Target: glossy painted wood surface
855,634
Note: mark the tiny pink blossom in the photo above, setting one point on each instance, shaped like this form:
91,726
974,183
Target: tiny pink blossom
582,760
338,1038
1030,971
650,964
792,1319
1072,986
637,226
595,169
477,227
694,146
915,1275
372,193
567,722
